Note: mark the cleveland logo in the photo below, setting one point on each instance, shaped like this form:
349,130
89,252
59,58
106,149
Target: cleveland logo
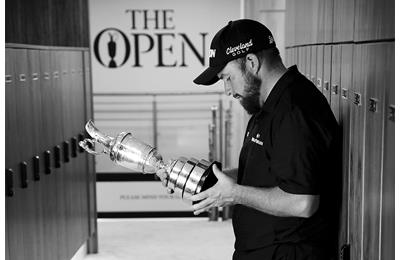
241,48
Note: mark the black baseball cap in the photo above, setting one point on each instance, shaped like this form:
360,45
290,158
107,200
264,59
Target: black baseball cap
235,40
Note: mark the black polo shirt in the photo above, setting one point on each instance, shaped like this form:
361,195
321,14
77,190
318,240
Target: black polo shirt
291,143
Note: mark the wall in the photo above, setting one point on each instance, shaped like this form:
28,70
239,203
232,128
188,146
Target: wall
346,48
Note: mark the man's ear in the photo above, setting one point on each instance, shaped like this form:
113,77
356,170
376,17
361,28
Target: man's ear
252,63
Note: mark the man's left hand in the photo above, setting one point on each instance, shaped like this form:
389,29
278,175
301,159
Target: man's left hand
219,195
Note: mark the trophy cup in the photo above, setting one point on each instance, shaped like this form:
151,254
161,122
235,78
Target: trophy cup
186,177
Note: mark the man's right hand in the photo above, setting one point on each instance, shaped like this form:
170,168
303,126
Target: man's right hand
163,175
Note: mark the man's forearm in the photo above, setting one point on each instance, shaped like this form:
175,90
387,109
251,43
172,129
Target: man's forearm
275,201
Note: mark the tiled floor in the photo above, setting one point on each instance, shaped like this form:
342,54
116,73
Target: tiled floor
164,239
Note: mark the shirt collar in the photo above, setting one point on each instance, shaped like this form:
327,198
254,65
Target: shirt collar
278,89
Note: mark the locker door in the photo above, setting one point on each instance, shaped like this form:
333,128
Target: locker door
90,159
295,56
326,82
373,77
300,63
321,21
328,25
357,133
23,90
307,61
343,16
374,20
14,231
49,193
313,64
37,131
346,78
388,174
335,87
320,66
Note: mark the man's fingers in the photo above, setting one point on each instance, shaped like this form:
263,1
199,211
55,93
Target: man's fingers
202,204
199,196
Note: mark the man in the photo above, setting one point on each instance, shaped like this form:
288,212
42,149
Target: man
285,189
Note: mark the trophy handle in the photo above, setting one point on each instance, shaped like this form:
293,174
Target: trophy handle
87,144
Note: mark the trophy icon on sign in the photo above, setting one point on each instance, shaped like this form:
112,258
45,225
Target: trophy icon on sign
112,49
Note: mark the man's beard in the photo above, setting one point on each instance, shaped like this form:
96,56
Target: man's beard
251,96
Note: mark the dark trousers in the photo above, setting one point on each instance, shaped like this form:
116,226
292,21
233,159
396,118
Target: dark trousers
284,252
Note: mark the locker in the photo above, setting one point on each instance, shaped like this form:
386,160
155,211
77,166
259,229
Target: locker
300,62
313,65
92,247
374,75
328,23
335,87
307,61
15,231
38,147
357,132
374,20
295,56
320,66
343,16
49,194
388,172
326,81
346,76
24,116
321,21
289,21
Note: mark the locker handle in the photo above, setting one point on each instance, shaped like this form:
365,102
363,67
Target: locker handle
357,99
35,76
24,175
55,74
9,183
373,105
46,75
36,168
319,82
47,162
391,113
66,151
8,78
335,89
81,137
326,85
344,93
74,147
57,156
22,77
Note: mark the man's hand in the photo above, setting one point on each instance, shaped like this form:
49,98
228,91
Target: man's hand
221,194
163,175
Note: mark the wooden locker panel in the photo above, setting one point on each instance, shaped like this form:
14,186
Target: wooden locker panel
374,20
90,159
372,80
38,147
49,139
328,23
313,65
321,21
320,66
388,172
23,91
307,62
346,78
15,231
343,20
300,63
357,133
295,57
326,82
335,79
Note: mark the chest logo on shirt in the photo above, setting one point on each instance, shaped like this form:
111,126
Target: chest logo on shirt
256,140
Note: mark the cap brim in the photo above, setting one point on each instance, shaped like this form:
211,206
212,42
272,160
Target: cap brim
209,76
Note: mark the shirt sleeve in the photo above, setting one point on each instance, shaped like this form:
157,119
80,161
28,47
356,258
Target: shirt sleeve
299,149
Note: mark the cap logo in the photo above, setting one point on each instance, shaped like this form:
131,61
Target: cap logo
271,39
241,48
211,53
